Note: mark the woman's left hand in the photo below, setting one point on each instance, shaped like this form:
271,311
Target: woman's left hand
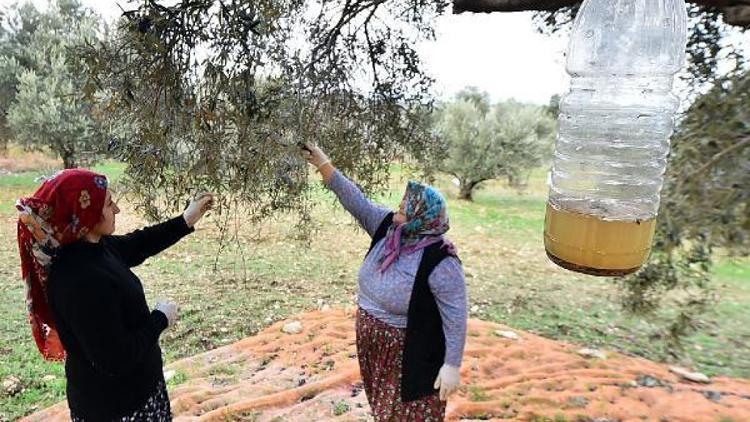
198,207
447,380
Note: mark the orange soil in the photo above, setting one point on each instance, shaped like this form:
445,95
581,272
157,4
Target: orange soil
311,375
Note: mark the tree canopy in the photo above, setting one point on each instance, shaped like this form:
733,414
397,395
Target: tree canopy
211,90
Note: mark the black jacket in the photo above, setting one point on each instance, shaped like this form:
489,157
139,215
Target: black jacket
111,337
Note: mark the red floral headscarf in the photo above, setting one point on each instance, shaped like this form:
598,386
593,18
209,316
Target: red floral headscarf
61,211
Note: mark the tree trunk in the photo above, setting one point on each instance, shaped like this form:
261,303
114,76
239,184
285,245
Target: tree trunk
4,136
489,6
738,15
66,152
514,181
69,160
465,191
735,12
518,182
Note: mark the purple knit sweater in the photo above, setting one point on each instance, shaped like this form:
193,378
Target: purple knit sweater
386,295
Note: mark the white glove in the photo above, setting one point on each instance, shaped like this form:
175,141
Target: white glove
447,380
315,155
197,208
169,309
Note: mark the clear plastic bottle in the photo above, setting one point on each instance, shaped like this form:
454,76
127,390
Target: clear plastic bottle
614,130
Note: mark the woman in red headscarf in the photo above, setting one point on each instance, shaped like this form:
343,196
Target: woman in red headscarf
85,304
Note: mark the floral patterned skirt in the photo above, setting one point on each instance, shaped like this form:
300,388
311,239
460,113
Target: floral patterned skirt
155,409
380,348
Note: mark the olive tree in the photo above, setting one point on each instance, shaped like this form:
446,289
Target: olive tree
487,142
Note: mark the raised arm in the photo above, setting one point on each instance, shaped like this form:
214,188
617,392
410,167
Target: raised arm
141,244
137,246
366,212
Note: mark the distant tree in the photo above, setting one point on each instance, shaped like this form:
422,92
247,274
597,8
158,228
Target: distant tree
42,84
553,108
17,24
3,93
487,142
9,68
480,99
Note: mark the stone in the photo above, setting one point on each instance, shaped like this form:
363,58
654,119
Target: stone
578,402
508,334
592,353
12,385
690,376
649,381
168,375
714,396
294,327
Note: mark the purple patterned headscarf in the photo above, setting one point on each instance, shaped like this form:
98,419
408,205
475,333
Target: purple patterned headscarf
426,223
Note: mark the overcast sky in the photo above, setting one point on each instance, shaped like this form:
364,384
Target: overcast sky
500,53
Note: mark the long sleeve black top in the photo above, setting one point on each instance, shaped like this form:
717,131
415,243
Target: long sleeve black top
111,338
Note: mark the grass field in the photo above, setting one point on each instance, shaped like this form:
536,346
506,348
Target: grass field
267,275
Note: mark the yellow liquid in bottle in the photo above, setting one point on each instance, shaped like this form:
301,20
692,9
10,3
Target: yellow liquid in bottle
591,245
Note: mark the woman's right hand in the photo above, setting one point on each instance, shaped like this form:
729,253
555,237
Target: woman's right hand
198,207
315,155
169,309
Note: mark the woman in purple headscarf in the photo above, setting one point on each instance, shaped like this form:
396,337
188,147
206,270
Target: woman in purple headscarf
411,321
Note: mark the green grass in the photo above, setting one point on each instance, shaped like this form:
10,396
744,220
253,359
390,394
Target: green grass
176,380
499,237
341,407
478,394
